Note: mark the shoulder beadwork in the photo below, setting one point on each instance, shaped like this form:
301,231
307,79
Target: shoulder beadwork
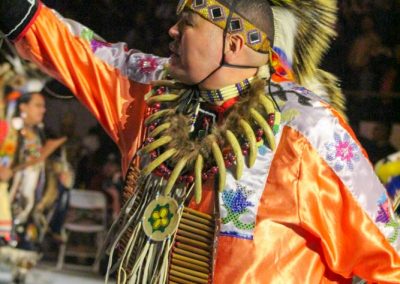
329,136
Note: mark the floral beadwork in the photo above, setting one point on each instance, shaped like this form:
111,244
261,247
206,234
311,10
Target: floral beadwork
387,219
145,68
147,65
236,203
160,218
95,44
87,34
383,213
343,152
396,230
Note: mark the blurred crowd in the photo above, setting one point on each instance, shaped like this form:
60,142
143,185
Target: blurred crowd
366,54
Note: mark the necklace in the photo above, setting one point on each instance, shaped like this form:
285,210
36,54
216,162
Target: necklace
179,144
188,140
226,93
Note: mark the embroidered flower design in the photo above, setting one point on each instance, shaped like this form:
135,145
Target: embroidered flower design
160,218
384,216
144,68
87,34
383,212
396,230
343,152
147,65
236,203
95,44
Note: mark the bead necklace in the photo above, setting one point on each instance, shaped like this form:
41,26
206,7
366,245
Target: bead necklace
192,146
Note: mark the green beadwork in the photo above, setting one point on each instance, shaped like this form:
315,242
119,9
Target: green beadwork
236,203
87,34
160,218
396,226
234,218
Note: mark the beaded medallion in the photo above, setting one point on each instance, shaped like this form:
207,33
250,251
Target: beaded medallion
160,219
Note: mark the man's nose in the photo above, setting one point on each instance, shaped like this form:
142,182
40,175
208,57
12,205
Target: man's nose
174,31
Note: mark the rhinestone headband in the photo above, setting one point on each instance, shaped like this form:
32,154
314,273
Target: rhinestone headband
217,13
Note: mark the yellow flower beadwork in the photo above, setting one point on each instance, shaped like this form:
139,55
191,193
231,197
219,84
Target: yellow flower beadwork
160,218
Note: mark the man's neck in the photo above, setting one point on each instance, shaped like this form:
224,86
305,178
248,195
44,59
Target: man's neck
226,76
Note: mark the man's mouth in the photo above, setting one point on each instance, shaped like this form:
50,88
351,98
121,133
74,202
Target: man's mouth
174,49
174,54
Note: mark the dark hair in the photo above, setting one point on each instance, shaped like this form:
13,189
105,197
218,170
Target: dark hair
257,12
26,97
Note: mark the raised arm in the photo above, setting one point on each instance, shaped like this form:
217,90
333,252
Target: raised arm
109,79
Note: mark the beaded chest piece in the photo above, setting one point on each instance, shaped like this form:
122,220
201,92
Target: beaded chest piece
191,137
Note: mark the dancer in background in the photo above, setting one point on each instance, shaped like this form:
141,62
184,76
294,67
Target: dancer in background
23,152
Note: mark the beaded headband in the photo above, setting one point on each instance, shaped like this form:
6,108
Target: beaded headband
218,14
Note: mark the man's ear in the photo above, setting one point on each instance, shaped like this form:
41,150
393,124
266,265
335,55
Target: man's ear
234,45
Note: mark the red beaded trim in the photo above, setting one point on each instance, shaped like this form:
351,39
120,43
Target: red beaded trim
229,158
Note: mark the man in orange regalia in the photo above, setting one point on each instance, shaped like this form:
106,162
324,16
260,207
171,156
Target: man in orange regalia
235,173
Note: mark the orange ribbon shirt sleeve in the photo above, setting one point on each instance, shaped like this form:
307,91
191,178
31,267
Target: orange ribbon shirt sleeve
116,101
351,244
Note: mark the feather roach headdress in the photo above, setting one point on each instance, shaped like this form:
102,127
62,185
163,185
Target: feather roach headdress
297,47
302,49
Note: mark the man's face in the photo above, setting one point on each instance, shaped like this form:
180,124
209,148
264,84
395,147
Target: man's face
196,49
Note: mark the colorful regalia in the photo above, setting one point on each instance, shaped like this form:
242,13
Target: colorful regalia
18,197
8,144
388,171
269,185
7,149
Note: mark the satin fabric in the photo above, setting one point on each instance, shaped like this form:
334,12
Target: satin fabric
116,102
308,223
307,229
